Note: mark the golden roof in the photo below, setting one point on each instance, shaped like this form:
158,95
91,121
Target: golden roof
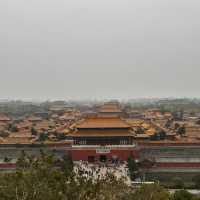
4,118
103,122
145,125
151,131
101,133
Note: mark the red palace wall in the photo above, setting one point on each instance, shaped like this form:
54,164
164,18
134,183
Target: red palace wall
7,166
121,154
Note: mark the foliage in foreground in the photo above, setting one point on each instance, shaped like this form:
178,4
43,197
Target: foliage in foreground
45,178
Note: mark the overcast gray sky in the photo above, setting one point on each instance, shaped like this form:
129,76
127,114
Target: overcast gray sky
56,49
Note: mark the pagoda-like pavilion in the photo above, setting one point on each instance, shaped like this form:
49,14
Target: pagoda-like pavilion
102,131
102,138
111,109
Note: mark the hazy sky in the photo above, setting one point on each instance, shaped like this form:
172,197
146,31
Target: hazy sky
54,49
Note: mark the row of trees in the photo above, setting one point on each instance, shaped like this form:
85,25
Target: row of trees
47,178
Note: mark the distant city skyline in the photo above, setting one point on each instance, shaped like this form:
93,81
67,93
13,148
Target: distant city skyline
99,49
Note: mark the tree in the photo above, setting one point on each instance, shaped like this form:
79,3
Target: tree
181,130
4,134
13,128
162,135
35,179
177,183
176,126
151,192
67,164
33,131
43,137
39,178
183,195
60,136
196,180
23,161
139,130
7,160
133,167
168,124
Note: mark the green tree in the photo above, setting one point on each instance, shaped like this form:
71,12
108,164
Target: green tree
196,180
133,167
35,179
6,160
181,131
67,164
162,135
4,134
33,131
151,192
39,178
177,183
13,128
176,126
183,195
60,136
43,137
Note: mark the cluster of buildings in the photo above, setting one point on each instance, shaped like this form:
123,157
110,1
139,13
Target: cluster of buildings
162,146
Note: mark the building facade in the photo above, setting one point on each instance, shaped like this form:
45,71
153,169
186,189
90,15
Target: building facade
103,138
